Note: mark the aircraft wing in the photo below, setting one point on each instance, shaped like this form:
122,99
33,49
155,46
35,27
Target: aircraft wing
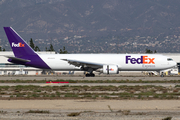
79,63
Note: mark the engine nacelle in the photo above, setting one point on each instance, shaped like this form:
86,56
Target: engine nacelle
110,69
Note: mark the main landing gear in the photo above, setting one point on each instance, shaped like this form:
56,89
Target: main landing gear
88,72
90,75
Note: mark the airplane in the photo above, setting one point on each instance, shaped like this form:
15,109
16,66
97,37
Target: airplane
103,63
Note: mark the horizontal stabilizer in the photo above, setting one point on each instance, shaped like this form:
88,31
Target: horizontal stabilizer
18,59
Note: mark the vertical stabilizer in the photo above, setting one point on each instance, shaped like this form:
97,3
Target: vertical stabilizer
18,45
24,54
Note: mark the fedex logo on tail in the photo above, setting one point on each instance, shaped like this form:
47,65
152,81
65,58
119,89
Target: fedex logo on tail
17,45
141,60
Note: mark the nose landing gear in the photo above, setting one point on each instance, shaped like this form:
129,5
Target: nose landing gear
162,74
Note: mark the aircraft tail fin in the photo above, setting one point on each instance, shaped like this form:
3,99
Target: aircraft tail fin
24,54
19,46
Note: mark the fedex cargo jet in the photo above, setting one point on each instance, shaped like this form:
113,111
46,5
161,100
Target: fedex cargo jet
103,63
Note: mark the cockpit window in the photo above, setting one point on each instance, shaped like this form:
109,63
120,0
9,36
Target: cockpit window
169,59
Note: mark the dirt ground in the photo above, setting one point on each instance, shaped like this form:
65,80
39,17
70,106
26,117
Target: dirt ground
91,109
92,105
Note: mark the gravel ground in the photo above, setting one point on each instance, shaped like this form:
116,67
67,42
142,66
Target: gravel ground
89,116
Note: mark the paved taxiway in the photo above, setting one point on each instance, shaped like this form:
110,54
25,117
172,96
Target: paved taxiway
144,78
92,84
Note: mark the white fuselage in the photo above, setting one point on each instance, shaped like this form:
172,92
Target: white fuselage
125,62
107,63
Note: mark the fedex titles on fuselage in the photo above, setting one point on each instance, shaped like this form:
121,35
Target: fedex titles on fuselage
141,60
17,45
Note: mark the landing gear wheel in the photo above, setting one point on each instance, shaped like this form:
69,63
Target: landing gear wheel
87,75
90,75
162,74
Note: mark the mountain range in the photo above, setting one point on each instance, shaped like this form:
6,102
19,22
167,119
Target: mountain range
55,20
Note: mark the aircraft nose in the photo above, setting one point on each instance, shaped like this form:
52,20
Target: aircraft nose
174,63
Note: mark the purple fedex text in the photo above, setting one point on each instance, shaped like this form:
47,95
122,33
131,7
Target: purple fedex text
134,60
141,60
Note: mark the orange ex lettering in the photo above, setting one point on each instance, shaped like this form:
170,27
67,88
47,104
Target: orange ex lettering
144,59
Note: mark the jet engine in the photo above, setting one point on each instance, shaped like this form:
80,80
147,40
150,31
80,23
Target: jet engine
110,69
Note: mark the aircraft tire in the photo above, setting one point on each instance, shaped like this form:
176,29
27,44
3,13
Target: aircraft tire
87,75
90,75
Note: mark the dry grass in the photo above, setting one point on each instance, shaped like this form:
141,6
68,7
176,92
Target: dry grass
73,114
38,111
89,92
